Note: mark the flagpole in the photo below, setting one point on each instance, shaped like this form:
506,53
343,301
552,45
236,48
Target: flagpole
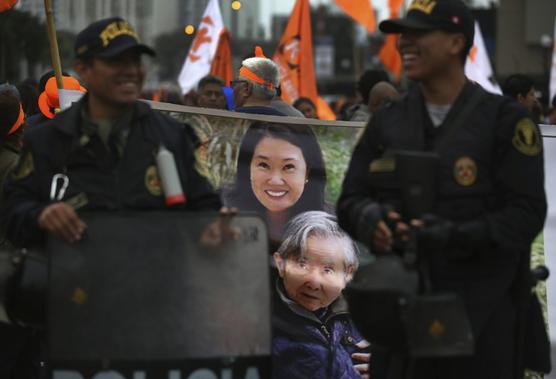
54,51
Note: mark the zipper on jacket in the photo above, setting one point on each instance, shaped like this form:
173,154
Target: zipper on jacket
325,331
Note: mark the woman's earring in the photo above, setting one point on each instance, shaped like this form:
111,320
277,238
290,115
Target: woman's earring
306,181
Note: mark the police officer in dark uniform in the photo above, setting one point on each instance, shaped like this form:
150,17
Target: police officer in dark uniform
490,200
100,153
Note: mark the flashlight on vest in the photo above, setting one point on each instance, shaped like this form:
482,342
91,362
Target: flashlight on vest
169,178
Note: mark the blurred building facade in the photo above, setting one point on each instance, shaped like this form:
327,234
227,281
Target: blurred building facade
525,33
148,17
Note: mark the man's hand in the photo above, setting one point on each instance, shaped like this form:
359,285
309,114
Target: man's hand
383,236
362,368
220,231
61,220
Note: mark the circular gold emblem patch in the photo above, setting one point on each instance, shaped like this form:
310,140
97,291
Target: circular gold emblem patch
465,171
152,181
527,139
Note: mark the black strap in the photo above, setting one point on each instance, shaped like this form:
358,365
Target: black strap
477,95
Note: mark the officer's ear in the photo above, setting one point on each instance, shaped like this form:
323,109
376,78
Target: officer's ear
458,43
81,67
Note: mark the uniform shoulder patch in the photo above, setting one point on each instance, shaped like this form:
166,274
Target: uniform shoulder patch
24,167
527,139
152,181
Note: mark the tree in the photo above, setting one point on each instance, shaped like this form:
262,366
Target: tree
171,49
22,36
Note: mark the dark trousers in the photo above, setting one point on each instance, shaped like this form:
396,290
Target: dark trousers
21,353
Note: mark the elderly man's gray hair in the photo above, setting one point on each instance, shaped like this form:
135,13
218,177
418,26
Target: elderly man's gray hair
267,70
315,224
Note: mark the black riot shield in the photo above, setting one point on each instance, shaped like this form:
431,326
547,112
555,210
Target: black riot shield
140,295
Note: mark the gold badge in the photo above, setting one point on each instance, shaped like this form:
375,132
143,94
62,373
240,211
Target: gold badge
79,296
152,181
24,167
425,6
382,165
465,171
527,139
436,329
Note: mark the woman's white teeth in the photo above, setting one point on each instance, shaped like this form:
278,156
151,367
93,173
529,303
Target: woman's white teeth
276,193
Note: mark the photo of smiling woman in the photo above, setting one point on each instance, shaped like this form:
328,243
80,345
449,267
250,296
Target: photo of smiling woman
280,173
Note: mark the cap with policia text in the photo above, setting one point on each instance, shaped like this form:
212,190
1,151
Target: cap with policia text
108,38
449,15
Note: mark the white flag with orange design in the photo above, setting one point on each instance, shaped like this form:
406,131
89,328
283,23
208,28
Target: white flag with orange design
477,66
203,48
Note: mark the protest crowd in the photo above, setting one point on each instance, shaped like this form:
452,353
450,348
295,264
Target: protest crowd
417,267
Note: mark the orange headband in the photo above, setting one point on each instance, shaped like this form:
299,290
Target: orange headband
248,74
18,122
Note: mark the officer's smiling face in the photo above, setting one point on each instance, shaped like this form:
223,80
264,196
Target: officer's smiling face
116,81
428,53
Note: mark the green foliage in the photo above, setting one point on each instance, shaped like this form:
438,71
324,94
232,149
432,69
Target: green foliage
219,144
537,258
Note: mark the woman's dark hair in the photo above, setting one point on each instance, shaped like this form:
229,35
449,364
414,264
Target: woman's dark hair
304,138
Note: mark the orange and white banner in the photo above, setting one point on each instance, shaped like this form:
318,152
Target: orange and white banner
222,63
294,57
361,11
203,48
477,66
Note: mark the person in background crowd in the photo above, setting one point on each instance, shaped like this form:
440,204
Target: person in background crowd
282,106
360,112
29,96
280,173
313,335
12,121
168,92
256,85
210,93
490,199
381,92
306,106
522,88
37,117
49,101
19,346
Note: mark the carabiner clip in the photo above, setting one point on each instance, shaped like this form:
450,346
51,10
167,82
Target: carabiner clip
56,194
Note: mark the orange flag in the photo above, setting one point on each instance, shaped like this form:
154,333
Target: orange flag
222,62
294,57
361,11
6,5
389,54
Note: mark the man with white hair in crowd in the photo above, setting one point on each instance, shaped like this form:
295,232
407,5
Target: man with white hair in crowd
256,85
